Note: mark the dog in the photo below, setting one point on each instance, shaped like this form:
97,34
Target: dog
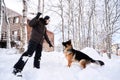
73,55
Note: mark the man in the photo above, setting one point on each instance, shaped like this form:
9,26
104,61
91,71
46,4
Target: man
38,34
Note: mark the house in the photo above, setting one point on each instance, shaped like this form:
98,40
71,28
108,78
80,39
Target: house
15,20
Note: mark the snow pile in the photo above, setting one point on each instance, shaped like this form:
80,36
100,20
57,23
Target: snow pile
91,52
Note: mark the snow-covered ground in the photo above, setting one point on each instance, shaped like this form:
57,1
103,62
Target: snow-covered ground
53,67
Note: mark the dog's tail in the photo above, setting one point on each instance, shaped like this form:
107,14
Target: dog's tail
99,62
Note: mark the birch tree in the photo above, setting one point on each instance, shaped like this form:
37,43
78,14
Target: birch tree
69,18
81,27
8,27
1,18
24,28
39,8
62,18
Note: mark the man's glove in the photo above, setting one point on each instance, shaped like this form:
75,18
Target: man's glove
38,15
50,45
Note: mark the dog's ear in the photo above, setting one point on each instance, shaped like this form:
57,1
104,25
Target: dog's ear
69,42
63,43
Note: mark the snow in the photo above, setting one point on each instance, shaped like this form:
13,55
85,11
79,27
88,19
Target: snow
53,67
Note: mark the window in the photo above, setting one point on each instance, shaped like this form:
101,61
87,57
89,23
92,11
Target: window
14,35
16,20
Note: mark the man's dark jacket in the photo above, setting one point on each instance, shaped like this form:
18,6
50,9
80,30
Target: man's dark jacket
38,33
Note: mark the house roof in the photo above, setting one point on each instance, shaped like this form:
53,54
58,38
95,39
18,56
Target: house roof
12,13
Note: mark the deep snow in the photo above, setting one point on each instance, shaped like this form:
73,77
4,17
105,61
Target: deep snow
53,67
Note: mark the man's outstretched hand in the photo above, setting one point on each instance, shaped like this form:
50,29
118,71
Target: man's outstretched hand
38,15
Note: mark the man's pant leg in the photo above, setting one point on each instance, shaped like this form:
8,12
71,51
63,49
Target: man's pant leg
25,56
37,56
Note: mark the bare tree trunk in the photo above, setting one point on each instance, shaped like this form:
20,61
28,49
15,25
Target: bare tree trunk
94,24
39,9
69,18
8,34
89,33
82,38
79,24
24,28
43,5
73,26
8,27
0,18
75,32
91,16
62,17
108,29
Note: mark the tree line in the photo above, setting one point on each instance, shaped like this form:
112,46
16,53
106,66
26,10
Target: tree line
89,23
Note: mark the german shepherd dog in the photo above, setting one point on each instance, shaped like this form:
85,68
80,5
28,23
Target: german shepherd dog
75,55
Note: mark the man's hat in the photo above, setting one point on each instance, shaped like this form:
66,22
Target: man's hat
46,17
